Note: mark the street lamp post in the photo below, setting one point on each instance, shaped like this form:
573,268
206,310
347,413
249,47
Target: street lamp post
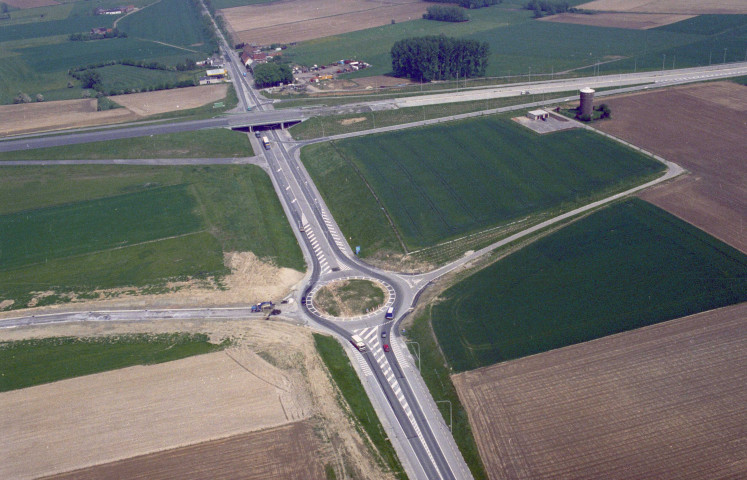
450,418
418,345
724,55
663,58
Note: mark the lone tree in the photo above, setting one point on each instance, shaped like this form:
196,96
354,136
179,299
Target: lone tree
439,58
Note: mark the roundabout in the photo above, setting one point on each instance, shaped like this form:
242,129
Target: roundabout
350,298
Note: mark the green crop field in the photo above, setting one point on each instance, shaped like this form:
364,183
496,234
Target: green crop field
624,267
78,229
36,53
520,45
124,77
448,180
175,22
26,363
216,143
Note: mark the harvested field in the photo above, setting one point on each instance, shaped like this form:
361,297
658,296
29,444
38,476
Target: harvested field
665,401
282,452
274,363
39,117
299,20
30,3
688,7
137,410
700,127
634,21
152,103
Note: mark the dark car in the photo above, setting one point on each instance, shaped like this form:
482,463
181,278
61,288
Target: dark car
386,347
383,334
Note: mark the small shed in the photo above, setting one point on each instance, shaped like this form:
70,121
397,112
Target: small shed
538,115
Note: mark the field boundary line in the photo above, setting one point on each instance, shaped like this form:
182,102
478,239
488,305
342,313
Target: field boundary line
120,247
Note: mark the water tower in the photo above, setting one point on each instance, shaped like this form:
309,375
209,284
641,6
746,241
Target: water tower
587,101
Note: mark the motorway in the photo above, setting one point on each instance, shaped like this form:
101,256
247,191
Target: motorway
391,379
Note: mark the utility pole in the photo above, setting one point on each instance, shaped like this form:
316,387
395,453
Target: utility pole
724,55
663,58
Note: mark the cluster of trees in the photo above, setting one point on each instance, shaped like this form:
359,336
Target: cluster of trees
91,79
545,7
25,98
446,14
439,58
469,3
272,74
82,37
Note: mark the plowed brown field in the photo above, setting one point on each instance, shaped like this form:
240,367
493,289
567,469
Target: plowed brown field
634,21
290,451
692,7
299,20
702,128
665,401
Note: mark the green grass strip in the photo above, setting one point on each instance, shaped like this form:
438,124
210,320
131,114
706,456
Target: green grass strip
26,363
214,143
352,390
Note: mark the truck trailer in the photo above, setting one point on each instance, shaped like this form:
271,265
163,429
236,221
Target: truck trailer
358,343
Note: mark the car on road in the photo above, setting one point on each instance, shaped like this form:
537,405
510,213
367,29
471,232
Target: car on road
383,334
258,134
386,347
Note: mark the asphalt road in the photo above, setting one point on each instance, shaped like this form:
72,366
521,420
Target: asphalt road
392,381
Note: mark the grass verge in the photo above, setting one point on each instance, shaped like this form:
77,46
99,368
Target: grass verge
216,143
352,390
26,363
321,126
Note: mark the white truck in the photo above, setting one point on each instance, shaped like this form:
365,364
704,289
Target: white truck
357,342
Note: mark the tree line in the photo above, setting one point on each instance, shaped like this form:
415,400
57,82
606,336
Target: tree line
83,37
439,58
469,3
446,14
545,7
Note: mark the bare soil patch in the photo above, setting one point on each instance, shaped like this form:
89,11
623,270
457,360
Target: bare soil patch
290,451
687,7
43,116
162,101
702,128
350,121
377,81
271,367
30,3
665,401
251,280
299,20
633,21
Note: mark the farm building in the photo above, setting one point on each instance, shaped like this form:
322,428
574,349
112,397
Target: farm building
216,73
537,115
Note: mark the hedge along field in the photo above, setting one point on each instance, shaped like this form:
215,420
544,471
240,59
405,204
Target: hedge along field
445,181
124,77
624,267
94,227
